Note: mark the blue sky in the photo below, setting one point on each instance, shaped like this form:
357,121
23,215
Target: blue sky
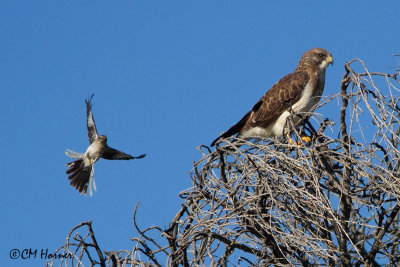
167,77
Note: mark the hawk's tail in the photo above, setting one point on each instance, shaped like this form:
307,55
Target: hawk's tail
234,129
81,176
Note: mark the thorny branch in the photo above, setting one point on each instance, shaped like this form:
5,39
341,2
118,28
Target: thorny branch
279,202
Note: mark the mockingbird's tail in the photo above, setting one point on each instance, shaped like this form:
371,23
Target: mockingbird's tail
81,175
74,155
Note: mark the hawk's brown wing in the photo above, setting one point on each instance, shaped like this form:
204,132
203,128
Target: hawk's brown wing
91,126
113,154
277,100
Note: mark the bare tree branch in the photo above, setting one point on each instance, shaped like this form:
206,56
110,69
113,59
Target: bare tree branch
333,202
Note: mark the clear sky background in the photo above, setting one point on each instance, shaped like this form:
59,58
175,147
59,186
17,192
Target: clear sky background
168,76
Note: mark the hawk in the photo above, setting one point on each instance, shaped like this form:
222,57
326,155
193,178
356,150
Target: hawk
81,170
299,92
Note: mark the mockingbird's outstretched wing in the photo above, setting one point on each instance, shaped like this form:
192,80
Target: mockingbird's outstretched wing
113,154
91,126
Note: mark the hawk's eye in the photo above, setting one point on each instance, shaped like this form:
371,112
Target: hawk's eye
321,55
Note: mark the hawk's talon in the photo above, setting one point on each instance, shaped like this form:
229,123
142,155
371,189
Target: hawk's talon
306,139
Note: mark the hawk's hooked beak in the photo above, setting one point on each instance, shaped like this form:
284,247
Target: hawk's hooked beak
330,60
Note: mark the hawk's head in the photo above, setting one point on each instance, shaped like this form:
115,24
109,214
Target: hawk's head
315,58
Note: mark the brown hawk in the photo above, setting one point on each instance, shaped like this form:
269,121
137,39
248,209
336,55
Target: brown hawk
298,92
81,171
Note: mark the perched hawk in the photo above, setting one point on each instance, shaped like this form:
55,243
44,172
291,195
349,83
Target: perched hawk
81,170
298,91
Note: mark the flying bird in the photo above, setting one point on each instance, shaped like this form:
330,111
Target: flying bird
298,92
81,170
